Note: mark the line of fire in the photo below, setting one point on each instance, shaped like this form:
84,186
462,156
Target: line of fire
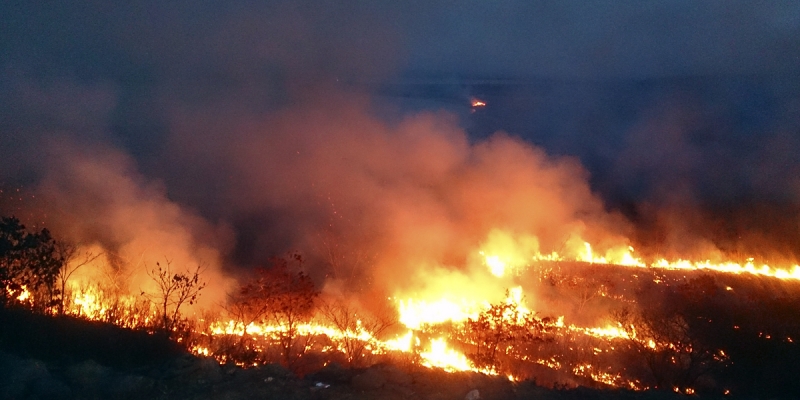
678,325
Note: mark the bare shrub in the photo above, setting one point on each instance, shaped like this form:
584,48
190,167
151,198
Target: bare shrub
500,333
359,330
673,355
74,259
282,300
174,291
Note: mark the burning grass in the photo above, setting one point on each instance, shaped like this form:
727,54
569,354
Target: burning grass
674,326
681,347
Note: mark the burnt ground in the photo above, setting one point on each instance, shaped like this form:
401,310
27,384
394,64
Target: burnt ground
67,358
188,377
754,319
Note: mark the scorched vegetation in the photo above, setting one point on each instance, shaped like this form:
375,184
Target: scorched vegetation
634,327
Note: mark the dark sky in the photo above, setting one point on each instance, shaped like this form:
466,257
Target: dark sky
598,39
568,39
673,107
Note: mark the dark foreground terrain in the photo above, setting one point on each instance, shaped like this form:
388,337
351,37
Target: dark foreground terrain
186,377
43,357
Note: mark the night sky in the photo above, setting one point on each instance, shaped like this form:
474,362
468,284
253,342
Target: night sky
241,129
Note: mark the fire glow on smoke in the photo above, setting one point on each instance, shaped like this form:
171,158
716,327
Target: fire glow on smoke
502,257
442,229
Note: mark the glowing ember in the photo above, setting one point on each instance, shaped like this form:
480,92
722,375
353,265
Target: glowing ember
201,351
24,295
609,332
608,378
475,102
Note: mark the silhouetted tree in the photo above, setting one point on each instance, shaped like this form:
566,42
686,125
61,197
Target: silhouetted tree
29,261
174,290
674,354
358,328
74,259
281,298
499,330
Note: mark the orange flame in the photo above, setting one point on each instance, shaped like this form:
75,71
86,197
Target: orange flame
476,102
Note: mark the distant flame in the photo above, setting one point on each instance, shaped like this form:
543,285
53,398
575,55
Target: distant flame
731,267
24,295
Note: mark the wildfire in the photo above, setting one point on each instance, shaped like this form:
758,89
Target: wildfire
496,265
24,295
442,357
609,332
504,252
438,353
405,343
430,319
87,305
415,313
93,303
731,268
201,351
232,327
611,379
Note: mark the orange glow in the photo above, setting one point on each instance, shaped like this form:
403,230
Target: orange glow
446,298
440,356
476,102
502,250
24,295
731,268
414,314
404,343
599,376
496,266
608,332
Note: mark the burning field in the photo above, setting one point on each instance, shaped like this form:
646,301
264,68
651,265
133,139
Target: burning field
573,201
637,327
491,257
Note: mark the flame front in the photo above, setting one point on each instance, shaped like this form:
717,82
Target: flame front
433,314
416,313
440,356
